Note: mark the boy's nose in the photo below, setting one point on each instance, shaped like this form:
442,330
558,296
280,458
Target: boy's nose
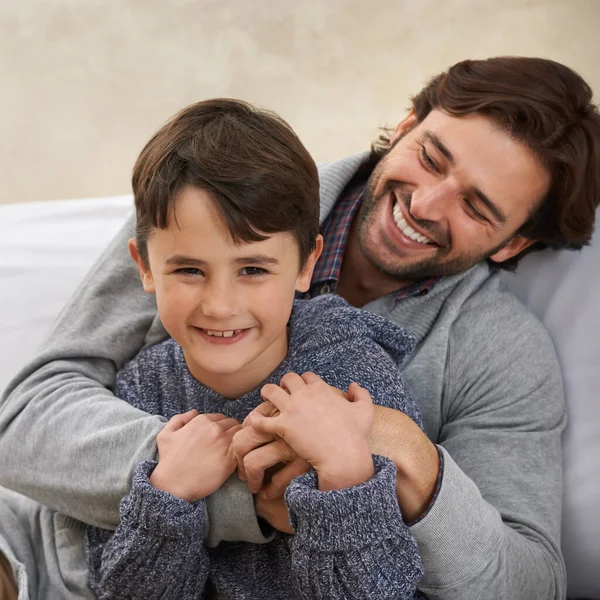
220,302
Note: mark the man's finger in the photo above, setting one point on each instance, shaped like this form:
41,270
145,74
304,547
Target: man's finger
259,460
265,408
356,393
282,479
309,377
268,425
226,424
246,440
178,421
292,382
274,394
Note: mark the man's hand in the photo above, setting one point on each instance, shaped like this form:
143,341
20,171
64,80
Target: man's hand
195,455
321,426
274,511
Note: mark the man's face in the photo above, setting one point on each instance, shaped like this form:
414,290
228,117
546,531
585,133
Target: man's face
227,305
450,193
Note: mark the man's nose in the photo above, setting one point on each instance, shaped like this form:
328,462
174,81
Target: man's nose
431,202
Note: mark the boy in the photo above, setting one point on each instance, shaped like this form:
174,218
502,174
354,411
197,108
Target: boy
227,232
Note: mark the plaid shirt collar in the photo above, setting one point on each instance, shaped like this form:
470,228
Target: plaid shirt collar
335,231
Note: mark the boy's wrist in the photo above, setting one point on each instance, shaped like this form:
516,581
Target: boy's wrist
161,481
346,469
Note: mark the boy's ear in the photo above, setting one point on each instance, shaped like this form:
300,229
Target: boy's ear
512,248
303,281
145,274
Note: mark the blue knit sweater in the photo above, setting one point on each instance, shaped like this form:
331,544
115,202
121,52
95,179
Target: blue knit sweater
349,543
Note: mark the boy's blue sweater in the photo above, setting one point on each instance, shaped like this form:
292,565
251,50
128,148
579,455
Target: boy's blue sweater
349,543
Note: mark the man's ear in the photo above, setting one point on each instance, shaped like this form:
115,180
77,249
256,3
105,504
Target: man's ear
303,281
406,124
145,274
512,248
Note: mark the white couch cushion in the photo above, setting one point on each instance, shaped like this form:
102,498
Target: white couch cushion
563,289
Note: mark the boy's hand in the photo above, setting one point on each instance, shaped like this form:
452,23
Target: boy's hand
321,426
195,455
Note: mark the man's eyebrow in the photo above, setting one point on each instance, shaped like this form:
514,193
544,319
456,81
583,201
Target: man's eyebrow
435,140
496,212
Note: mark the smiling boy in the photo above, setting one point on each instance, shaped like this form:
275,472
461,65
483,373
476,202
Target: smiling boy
227,233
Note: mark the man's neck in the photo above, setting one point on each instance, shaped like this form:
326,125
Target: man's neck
360,282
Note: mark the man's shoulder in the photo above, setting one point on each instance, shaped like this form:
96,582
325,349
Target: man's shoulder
493,308
154,363
329,320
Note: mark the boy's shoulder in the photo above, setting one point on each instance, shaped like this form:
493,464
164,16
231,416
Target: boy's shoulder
329,319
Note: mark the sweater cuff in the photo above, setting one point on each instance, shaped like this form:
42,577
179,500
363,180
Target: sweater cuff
232,515
159,512
460,531
354,517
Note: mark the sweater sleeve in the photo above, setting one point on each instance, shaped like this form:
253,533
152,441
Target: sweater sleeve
351,543
156,550
65,440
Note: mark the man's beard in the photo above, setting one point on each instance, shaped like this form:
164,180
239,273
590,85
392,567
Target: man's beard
436,264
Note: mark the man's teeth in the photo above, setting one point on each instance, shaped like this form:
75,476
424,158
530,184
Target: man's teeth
222,333
406,229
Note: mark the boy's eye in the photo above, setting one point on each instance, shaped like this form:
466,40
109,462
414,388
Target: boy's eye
192,271
252,271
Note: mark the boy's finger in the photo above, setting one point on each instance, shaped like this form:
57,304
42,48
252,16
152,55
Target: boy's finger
282,479
178,421
292,382
227,424
275,395
259,460
214,416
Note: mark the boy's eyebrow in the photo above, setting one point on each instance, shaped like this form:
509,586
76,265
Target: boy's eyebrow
257,259
179,260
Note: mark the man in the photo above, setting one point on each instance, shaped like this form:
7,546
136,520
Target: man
496,158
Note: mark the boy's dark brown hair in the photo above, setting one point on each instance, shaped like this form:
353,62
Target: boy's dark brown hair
546,106
255,168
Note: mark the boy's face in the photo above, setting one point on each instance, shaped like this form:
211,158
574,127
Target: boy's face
226,305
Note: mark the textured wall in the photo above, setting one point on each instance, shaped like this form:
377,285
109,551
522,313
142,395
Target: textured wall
86,82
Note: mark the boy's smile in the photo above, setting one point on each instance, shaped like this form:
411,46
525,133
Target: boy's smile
226,304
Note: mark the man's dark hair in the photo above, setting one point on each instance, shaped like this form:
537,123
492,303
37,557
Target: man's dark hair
547,107
258,173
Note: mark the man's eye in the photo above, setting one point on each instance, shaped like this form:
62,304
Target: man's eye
191,271
470,208
253,271
427,161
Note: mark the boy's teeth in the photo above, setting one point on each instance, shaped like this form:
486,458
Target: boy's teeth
406,229
220,333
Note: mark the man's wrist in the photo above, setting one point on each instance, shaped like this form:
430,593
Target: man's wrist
417,478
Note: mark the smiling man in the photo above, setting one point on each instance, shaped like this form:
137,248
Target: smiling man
495,159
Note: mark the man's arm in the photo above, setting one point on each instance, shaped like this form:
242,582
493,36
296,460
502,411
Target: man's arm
494,528
65,440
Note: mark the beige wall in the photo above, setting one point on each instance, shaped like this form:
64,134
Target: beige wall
84,83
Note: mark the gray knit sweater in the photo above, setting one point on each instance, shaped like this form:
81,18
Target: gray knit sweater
349,543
